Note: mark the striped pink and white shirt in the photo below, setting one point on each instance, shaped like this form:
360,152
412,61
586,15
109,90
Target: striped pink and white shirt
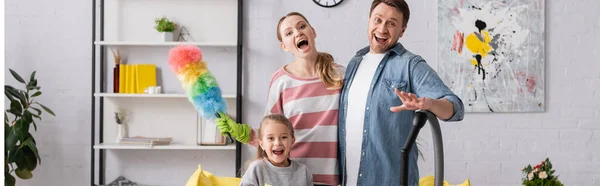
313,111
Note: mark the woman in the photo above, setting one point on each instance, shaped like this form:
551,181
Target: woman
307,92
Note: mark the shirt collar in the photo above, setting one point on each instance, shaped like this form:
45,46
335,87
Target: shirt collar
397,49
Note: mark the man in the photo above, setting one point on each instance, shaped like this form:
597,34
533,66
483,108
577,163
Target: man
384,85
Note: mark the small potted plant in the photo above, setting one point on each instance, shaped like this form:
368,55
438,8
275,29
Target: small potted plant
166,27
540,175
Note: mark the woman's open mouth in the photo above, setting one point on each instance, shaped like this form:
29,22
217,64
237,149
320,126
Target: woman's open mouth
302,44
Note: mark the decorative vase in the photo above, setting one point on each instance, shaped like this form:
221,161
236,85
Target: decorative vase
121,132
116,78
168,36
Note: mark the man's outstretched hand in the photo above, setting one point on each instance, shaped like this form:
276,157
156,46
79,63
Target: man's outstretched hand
411,102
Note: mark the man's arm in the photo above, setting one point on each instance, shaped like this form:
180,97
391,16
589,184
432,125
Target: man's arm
431,94
442,108
426,83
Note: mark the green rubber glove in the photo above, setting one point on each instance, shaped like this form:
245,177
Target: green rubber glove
240,132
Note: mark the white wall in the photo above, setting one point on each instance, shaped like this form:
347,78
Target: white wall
490,149
53,37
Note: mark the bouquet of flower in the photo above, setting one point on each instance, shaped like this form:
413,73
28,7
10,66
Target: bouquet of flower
540,175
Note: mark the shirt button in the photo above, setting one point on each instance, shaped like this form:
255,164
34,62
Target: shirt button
365,131
359,175
363,153
367,108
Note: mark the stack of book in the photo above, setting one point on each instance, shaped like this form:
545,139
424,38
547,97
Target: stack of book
138,140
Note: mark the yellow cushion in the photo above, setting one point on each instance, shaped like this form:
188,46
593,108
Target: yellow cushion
429,181
204,178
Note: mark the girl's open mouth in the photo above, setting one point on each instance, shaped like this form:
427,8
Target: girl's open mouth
278,152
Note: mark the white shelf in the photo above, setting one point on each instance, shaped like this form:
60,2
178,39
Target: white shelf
118,95
117,146
133,43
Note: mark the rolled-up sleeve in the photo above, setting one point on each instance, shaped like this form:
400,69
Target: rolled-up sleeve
426,83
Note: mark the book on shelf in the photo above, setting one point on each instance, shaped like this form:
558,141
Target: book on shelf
138,140
135,78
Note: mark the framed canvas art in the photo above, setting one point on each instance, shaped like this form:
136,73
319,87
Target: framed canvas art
491,53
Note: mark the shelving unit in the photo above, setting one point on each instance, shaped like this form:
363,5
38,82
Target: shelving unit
128,25
117,95
132,43
159,147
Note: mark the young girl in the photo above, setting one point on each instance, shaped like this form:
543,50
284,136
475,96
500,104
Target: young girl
273,165
307,92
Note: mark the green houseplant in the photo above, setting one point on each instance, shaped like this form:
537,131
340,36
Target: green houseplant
165,26
20,152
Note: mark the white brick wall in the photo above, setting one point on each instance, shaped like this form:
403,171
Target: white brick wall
489,149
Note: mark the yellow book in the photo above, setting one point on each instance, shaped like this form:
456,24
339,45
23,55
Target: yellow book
145,76
133,80
126,79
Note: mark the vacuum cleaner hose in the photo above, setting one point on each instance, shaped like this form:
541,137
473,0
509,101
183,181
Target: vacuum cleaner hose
419,120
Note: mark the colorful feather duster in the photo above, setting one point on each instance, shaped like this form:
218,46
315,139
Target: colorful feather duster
200,85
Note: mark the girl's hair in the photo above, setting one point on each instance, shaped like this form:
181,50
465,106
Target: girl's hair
260,153
276,118
325,66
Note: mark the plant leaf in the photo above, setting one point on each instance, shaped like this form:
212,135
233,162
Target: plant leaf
46,108
32,139
21,129
9,180
23,174
32,77
14,92
27,160
34,125
14,154
31,144
10,139
17,77
37,110
8,94
15,108
36,94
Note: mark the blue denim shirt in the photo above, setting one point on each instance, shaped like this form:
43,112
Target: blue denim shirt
384,131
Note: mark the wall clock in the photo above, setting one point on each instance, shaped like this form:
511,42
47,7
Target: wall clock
328,3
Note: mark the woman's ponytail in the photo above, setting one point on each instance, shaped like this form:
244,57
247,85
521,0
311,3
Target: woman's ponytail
327,72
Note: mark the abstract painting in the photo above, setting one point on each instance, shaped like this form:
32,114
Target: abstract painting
491,53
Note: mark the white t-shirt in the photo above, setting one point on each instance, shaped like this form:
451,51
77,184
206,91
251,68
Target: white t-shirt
355,118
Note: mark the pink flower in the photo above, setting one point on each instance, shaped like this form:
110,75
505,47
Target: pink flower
530,176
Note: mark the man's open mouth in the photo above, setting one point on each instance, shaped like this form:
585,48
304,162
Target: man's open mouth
380,39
